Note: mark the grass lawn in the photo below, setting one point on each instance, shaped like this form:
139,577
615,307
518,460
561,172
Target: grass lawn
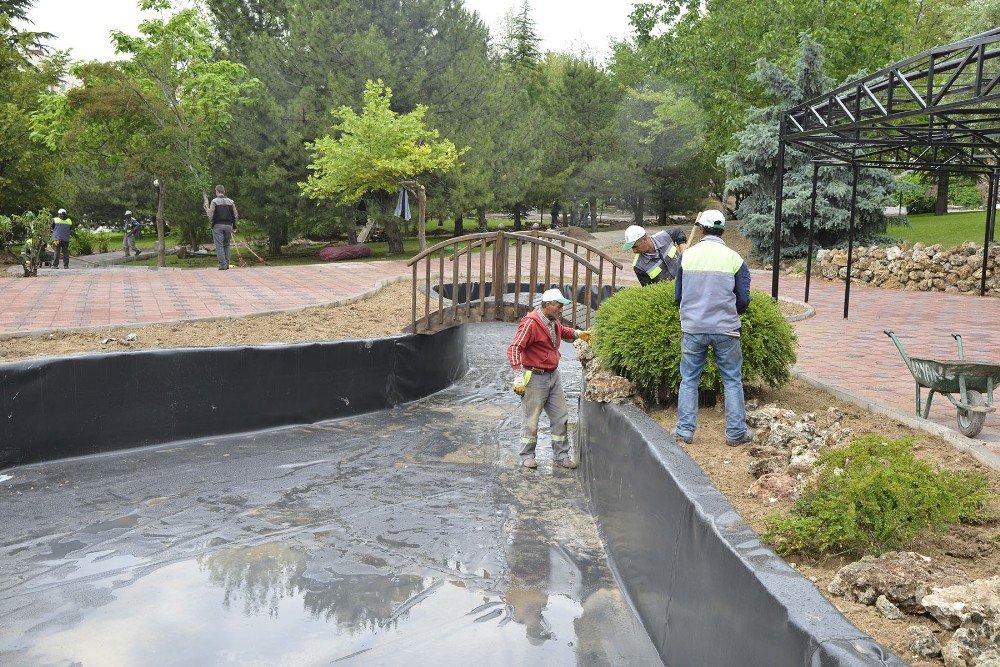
948,230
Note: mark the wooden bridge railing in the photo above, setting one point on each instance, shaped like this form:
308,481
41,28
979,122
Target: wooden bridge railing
541,250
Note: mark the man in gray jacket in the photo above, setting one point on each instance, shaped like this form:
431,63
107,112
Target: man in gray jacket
224,217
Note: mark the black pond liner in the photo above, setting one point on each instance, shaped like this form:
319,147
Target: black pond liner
699,577
72,406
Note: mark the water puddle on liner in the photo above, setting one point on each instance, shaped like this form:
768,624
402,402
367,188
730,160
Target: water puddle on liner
282,616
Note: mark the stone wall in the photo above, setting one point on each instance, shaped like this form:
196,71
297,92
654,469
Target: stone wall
915,268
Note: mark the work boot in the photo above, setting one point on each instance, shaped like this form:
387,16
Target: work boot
529,463
742,440
686,439
566,463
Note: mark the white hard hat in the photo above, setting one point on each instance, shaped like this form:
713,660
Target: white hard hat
61,211
128,212
554,295
633,234
712,218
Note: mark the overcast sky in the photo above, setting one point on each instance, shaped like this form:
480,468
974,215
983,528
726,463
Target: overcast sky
563,25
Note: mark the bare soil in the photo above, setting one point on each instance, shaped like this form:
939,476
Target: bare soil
972,548
386,312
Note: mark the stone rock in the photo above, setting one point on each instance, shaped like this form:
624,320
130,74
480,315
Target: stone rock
584,352
803,460
767,415
771,464
340,253
973,647
903,577
606,387
957,605
888,609
923,642
777,485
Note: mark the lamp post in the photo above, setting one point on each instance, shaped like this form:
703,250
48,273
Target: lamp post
160,186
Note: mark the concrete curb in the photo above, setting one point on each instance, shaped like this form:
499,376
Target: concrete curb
379,286
810,311
959,441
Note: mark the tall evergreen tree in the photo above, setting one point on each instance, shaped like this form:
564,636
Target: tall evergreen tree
753,165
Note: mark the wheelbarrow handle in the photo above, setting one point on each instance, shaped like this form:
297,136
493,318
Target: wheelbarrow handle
899,346
961,350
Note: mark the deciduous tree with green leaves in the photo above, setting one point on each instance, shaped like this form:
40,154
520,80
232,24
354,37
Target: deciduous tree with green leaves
161,110
368,155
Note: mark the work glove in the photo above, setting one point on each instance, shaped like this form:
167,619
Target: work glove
521,382
585,336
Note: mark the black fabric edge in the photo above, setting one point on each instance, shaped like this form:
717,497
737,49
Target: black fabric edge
706,588
73,406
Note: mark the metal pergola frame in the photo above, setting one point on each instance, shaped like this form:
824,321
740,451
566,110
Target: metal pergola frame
936,111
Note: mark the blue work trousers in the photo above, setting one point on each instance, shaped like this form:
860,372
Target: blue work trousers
729,358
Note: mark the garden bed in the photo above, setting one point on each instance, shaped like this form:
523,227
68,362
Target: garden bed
971,548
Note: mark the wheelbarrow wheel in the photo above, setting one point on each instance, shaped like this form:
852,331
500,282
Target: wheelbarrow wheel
970,422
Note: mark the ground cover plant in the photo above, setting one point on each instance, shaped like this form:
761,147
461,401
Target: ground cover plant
638,336
874,496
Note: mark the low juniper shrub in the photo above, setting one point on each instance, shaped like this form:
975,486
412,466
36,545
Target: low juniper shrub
874,496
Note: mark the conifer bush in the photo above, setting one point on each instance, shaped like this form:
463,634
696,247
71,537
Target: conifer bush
874,496
638,336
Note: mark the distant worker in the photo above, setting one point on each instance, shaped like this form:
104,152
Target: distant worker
555,214
585,214
535,352
712,290
656,257
224,217
61,225
131,226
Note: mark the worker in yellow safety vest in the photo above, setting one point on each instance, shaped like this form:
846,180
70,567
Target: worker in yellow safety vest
657,256
61,225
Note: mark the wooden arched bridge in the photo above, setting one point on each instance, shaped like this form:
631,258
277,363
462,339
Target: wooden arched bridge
503,276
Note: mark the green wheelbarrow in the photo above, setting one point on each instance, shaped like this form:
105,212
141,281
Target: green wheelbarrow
973,381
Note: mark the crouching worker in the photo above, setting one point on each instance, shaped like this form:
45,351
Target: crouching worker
535,352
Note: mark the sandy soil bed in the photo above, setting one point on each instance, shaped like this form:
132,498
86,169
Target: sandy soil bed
970,548
385,313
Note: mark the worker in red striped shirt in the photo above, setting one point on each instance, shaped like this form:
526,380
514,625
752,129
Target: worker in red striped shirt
535,352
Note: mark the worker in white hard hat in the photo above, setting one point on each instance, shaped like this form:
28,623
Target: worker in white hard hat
535,352
657,256
131,226
712,290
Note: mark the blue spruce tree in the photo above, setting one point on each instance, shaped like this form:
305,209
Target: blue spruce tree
752,167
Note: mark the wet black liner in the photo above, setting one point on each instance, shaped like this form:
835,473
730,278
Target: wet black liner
700,579
72,406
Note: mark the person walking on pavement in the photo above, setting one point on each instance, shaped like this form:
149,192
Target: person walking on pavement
656,257
61,225
535,352
712,290
555,214
224,217
131,226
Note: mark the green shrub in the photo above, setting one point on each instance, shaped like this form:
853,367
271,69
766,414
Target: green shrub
638,336
81,241
103,241
874,496
966,196
921,204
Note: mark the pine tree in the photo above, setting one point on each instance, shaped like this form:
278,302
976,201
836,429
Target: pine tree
752,167
519,46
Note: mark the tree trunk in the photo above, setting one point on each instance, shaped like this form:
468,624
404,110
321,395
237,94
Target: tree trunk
393,235
565,218
161,245
273,242
193,237
517,217
441,218
661,217
481,216
941,205
422,217
459,225
640,205
593,213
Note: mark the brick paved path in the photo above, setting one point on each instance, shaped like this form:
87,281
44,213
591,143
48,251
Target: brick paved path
852,354
856,356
